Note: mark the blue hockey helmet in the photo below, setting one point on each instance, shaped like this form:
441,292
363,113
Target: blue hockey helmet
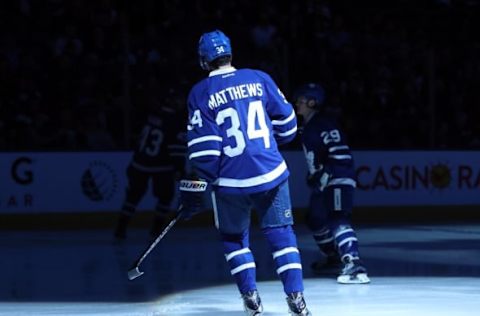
311,91
211,46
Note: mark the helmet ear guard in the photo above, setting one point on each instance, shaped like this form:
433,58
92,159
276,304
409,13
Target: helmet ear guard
311,104
203,63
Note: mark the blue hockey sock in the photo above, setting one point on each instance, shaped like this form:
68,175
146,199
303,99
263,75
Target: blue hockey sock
324,240
241,261
285,253
346,241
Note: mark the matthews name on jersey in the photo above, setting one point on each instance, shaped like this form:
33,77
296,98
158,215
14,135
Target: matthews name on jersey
234,112
326,149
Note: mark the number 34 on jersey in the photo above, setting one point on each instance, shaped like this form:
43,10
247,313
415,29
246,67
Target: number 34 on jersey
256,126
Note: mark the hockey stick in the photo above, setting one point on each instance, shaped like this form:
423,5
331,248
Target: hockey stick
135,272
187,185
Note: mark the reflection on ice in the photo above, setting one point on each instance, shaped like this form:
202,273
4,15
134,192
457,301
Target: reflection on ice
417,270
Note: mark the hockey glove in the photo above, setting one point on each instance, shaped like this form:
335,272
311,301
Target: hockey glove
192,193
319,180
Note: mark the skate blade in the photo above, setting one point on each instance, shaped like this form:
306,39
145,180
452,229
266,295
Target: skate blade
305,312
134,273
360,278
250,312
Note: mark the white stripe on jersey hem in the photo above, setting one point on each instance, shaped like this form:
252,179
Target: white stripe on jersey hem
285,121
204,139
287,133
254,181
203,153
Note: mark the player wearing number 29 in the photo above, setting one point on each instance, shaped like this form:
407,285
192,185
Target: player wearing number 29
331,175
237,117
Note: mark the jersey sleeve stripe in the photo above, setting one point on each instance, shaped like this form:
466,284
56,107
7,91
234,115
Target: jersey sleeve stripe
287,133
254,181
285,121
203,153
204,139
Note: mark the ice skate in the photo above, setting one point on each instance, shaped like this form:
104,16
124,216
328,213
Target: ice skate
353,272
296,305
252,303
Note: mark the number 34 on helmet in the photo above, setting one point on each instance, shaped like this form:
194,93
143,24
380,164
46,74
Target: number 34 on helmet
211,46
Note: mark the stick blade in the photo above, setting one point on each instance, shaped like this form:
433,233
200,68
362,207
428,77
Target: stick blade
134,273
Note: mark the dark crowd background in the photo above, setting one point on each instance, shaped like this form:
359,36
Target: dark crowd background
81,75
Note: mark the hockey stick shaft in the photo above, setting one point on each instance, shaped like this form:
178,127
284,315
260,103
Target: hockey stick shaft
135,272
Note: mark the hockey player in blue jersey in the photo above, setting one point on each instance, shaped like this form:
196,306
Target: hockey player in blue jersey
237,117
158,159
331,176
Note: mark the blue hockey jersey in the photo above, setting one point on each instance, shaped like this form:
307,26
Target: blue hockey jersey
326,149
161,146
237,118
